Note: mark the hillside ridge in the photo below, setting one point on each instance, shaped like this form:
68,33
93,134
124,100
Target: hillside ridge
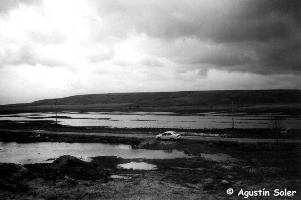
181,101
214,97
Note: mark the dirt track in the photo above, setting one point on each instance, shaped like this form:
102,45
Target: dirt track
146,136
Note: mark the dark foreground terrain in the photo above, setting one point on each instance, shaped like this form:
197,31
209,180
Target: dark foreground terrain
209,170
196,177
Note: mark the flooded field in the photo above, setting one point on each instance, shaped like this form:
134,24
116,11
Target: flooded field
44,152
162,119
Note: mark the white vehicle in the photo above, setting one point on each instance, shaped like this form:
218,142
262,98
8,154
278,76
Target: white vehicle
168,135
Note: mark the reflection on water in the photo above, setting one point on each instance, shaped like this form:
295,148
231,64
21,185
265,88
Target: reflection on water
161,120
47,151
137,166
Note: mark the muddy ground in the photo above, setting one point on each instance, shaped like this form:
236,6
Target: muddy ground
200,176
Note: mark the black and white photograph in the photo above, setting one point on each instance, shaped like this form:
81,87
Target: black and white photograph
150,99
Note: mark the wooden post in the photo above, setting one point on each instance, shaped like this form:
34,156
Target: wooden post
55,112
232,114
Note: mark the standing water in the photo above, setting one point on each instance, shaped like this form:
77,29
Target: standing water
43,152
161,120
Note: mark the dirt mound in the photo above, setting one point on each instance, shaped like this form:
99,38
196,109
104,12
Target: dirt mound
75,168
68,166
67,160
78,169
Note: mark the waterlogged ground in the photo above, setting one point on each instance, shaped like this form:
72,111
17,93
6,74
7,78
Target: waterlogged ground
43,152
162,119
207,173
146,169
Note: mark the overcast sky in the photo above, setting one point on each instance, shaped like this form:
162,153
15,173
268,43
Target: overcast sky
58,48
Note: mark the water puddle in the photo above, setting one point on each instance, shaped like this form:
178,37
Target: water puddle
43,152
219,157
138,166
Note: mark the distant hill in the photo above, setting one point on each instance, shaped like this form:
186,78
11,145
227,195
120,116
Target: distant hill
186,101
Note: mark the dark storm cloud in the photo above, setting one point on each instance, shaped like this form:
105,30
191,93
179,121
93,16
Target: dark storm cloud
258,36
271,29
260,20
